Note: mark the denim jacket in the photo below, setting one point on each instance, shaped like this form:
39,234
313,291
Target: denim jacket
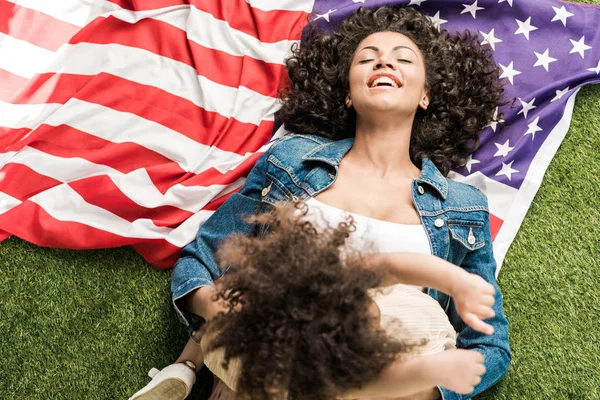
455,217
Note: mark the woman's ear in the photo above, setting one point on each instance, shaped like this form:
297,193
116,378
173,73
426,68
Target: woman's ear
424,102
348,101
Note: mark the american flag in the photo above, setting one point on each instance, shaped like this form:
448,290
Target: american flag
129,122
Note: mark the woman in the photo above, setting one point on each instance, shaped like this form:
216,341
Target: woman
381,109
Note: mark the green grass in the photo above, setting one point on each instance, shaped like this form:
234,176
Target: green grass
89,324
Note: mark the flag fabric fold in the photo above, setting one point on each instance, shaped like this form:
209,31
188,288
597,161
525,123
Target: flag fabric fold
129,122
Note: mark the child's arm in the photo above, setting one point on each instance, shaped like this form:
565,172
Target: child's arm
473,296
458,370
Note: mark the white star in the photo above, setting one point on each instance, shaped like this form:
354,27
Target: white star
326,15
509,2
579,47
471,8
526,107
470,162
596,70
437,21
495,120
489,38
533,128
525,27
561,15
543,59
503,149
560,94
417,2
507,170
509,72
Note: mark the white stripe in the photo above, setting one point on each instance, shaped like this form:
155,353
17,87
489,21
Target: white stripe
25,115
64,204
531,183
123,127
23,58
500,196
175,77
206,30
7,202
136,185
75,12
288,5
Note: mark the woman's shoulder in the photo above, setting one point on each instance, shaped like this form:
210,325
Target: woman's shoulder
293,141
466,195
294,146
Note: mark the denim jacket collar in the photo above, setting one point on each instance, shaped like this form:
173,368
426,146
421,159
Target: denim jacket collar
333,152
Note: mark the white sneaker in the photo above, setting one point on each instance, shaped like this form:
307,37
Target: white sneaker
172,383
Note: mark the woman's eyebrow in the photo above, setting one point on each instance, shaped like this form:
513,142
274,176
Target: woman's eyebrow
404,47
374,48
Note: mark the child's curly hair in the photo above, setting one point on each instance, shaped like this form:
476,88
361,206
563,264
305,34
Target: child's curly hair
461,79
298,313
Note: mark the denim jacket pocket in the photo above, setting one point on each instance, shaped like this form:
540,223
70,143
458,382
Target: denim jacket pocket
275,192
469,234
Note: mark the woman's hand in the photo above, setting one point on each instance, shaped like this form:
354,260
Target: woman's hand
474,298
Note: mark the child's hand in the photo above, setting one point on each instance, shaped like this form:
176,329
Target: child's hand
474,298
460,370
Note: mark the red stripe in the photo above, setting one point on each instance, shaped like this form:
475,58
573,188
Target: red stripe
31,222
21,182
168,41
176,113
9,137
64,141
4,235
158,252
218,202
10,85
266,26
495,225
34,27
214,177
144,5
101,191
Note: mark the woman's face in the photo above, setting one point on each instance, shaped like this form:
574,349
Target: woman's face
387,75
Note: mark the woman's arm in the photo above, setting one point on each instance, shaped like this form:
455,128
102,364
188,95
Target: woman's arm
473,296
495,348
193,276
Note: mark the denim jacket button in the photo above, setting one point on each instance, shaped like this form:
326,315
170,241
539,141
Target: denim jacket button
420,189
438,222
265,191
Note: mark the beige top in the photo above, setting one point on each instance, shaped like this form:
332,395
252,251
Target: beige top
420,317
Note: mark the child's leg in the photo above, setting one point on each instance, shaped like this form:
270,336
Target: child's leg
192,352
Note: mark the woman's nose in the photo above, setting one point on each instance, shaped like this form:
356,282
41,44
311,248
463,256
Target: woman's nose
383,62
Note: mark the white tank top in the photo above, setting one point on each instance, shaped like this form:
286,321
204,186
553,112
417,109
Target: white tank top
420,316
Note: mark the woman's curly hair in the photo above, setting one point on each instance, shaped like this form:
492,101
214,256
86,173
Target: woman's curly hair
298,313
461,79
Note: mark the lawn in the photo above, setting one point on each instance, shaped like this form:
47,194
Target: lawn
89,324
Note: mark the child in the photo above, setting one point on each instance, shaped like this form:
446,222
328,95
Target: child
304,318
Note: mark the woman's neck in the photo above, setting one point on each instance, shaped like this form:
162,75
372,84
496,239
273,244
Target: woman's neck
383,150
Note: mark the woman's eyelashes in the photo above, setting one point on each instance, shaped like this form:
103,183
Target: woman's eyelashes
403,60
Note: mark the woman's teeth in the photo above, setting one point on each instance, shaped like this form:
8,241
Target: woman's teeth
384,81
